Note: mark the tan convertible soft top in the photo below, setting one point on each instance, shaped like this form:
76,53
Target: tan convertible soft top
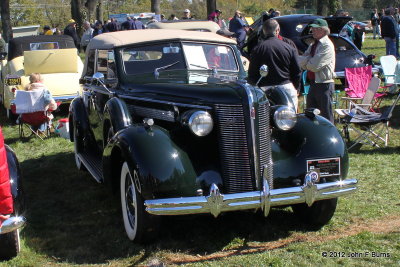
111,40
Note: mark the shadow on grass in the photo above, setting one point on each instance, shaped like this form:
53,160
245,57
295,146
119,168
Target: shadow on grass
71,218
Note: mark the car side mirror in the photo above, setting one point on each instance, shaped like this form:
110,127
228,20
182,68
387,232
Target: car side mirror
263,73
98,76
264,70
3,55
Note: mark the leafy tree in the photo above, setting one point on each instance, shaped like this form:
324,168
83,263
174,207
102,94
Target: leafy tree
333,5
5,20
369,4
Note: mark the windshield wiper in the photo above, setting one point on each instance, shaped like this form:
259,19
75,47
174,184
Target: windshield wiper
214,68
157,70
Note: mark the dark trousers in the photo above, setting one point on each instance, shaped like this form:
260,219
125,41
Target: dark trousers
320,97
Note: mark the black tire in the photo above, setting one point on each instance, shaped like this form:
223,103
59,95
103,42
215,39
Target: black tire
319,214
140,227
78,147
9,245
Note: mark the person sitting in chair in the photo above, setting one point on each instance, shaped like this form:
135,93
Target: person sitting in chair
36,83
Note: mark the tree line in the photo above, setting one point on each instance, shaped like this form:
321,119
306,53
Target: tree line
56,13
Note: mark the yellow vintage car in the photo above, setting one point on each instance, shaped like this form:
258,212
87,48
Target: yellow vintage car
53,56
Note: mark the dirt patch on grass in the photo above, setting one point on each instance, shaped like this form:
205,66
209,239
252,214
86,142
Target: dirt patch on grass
382,226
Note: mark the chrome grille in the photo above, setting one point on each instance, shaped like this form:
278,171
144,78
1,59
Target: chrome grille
264,136
234,151
159,114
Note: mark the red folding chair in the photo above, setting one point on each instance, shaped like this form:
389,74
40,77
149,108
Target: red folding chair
33,121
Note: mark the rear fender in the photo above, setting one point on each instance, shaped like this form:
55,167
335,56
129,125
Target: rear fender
164,169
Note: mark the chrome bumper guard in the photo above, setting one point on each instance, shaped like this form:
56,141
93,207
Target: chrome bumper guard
216,202
65,99
11,224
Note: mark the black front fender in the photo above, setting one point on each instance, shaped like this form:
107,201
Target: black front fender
15,180
164,169
78,115
310,139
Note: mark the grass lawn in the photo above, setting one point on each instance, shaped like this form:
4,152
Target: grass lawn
72,220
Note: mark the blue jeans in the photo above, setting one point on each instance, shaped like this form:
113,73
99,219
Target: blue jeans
390,46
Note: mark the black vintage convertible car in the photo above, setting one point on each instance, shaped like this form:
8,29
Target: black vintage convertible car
167,120
296,27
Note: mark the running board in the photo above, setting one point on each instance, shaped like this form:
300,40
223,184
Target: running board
93,164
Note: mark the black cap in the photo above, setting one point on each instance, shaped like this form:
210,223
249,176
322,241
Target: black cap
47,27
218,11
225,33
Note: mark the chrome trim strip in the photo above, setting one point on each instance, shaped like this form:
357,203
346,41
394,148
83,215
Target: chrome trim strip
216,202
165,102
11,224
126,120
251,100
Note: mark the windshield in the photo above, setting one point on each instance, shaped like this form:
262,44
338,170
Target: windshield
175,55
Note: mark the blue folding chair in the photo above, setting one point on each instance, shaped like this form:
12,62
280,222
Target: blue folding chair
306,88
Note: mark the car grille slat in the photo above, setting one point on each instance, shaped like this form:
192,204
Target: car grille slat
264,135
234,151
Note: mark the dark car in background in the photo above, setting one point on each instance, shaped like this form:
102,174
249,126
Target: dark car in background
167,120
296,27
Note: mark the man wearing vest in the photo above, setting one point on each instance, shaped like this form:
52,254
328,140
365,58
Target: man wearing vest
319,61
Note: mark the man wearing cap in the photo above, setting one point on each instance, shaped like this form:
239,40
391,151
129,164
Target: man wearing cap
186,14
283,68
47,30
71,31
216,17
319,61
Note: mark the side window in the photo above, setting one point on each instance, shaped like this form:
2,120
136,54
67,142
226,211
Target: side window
90,64
106,64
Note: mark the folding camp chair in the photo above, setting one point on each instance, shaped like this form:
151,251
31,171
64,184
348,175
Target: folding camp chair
357,81
370,127
30,108
370,101
391,72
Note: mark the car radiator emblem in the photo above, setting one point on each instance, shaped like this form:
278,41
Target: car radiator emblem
310,188
215,200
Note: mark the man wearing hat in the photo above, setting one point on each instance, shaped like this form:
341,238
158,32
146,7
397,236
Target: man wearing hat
186,14
71,31
319,61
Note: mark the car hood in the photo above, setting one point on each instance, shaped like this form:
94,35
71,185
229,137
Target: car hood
194,88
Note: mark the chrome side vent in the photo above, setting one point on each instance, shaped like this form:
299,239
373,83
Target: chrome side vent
165,115
234,151
264,135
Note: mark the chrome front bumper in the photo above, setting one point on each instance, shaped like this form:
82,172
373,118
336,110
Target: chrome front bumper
11,224
216,202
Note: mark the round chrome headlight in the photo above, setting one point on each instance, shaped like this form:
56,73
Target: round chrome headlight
285,118
200,123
